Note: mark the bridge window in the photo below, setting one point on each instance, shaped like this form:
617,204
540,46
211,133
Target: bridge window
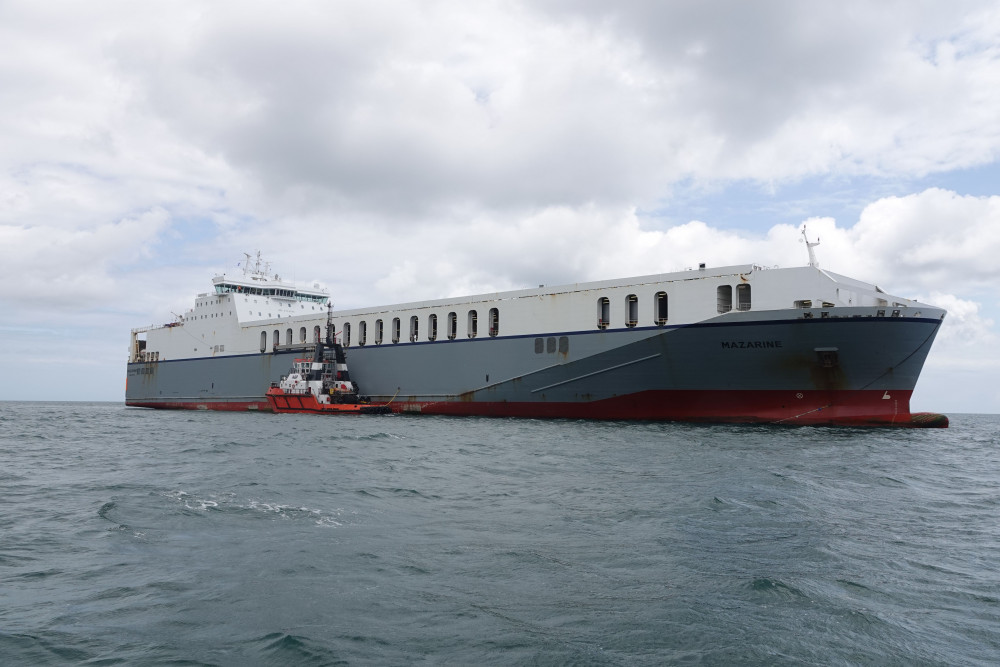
494,321
432,327
743,296
452,326
378,332
603,312
631,310
660,308
724,298
473,324
414,328
395,330
362,333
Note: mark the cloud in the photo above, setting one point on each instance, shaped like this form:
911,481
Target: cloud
425,107
73,269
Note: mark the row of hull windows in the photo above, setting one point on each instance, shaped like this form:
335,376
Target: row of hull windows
661,306
431,332
660,313
472,330
289,337
724,297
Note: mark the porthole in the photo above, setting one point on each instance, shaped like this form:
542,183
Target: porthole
603,312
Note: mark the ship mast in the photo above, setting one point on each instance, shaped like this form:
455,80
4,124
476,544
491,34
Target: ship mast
812,255
255,267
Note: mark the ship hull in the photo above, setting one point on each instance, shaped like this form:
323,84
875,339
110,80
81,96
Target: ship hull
771,369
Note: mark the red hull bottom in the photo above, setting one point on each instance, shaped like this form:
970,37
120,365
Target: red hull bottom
843,408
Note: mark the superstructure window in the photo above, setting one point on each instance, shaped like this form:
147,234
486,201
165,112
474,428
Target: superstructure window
724,298
631,310
660,308
452,326
432,327
362,333
276,338
743,296
347,334
603,312
472,327
395,330
302,335
263,341
494,321
316,334
288,337
414,328
378,332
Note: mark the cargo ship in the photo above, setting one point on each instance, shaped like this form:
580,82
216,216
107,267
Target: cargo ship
797,345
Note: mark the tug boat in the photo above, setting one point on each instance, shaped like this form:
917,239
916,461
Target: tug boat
321,385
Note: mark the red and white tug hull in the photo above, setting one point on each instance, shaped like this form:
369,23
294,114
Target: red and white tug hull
282,401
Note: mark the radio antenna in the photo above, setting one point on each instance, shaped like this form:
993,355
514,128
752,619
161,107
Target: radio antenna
810,245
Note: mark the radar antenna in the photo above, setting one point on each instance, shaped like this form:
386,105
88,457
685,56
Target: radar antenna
255,266
810,245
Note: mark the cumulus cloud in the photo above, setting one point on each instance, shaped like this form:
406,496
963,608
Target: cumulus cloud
419,108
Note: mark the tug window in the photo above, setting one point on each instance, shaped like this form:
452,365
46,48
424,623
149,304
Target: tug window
362,333
395,330
743,296
347,334
452,326
378,332
432,327
603,312
473,324
724,298
494,321
631,310
660,308
302,335
414,329
263,341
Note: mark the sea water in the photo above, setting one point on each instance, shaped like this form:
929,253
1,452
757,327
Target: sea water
133,536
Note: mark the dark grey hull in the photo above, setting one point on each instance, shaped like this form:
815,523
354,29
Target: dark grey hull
724,369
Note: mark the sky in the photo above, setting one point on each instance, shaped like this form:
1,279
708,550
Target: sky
396,151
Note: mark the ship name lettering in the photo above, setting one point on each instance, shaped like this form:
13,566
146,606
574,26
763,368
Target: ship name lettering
750,344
